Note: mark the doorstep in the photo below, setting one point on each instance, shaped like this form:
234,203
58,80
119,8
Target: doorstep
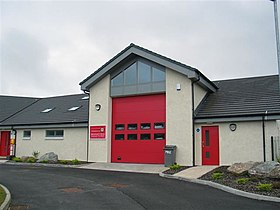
195,172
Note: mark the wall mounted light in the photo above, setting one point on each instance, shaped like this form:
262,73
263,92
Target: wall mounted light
97,107
178,87
232,126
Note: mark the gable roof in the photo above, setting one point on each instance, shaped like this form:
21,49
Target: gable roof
133,50
254,96
33,115
10,105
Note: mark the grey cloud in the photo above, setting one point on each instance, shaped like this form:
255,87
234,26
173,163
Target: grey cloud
24,64
223,39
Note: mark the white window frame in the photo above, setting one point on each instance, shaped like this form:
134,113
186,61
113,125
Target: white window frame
54,137
26,137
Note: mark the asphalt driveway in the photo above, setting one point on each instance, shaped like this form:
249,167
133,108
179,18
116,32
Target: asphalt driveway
35,187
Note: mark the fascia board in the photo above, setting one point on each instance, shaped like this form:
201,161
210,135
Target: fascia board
237,119
101,73
190,73
68,125
202,82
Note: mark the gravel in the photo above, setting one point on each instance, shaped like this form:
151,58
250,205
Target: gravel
229,179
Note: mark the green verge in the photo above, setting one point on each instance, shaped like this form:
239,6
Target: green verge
2,195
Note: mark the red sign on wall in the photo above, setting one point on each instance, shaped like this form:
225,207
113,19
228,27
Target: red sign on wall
98,132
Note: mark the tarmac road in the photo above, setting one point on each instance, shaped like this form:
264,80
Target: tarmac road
34,187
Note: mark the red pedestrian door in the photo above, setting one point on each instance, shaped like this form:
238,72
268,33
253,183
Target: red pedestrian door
210,145
5,143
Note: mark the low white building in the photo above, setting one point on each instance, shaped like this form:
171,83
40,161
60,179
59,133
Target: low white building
55,124
139,102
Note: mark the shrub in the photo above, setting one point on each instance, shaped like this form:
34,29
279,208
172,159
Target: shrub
217,175
265,187
63,161
31,160
75,161
242,180
35,154
44,161
17,159
175,166
276,185
254,179
278,159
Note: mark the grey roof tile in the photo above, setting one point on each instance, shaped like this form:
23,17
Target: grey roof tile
10,105
33,115
240,97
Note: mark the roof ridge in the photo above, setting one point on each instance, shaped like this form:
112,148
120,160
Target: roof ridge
29,97
246,78
60,96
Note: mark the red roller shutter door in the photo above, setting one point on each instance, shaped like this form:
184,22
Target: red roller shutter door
138,129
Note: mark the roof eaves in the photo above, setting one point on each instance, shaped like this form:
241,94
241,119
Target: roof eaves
47,125
189,71
106,64
238,115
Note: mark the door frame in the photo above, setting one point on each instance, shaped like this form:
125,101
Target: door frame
7,143
153,149
216,148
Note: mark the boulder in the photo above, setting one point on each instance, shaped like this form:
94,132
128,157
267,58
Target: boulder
242,168
50,157
263,169
275,173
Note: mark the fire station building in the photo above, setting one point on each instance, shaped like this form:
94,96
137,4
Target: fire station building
143,101
139,102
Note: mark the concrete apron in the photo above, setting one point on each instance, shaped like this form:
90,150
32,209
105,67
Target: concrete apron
127,167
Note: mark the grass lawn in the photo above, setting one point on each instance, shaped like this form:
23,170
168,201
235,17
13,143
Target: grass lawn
2,195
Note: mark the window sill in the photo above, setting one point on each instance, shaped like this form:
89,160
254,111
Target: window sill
26,138
53,138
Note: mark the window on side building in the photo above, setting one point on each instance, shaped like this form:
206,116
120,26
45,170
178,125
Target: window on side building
26,135
54,134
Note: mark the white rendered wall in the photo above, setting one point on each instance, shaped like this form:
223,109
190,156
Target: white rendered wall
72,146
243,144
199,94
179,116
100,149
278,126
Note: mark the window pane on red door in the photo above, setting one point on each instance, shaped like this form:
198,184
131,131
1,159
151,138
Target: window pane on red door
132,137
132,126
119,137
145,136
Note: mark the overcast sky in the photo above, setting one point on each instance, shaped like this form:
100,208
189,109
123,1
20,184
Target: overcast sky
48,47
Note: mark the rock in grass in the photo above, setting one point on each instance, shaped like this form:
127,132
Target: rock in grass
50,157
242,168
